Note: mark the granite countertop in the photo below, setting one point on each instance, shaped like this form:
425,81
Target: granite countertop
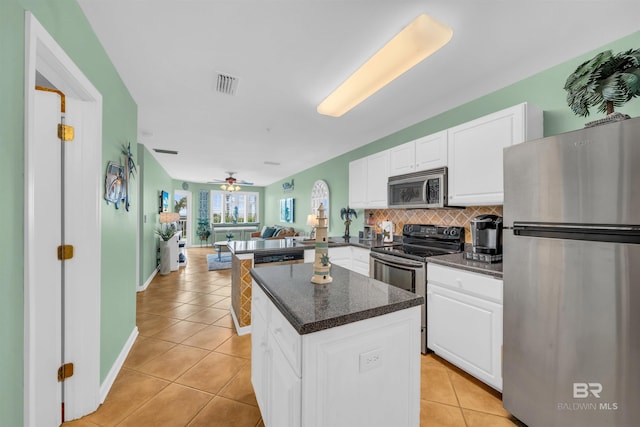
458,261
251,246
349,298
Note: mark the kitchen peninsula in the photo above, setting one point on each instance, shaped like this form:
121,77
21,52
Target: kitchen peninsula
340,354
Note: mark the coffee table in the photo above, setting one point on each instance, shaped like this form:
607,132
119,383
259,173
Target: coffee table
218,245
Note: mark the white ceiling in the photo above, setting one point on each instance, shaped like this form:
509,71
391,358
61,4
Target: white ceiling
290,54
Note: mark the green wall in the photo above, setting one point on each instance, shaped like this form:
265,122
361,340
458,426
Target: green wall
154,180
67,24
544,90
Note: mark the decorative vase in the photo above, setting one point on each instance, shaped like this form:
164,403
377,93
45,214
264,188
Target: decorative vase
165,258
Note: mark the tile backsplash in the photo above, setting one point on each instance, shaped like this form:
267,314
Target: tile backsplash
459,217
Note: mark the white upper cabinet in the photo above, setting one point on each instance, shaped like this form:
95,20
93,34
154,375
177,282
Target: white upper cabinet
368,181
358,183
377,177
475,153
428,152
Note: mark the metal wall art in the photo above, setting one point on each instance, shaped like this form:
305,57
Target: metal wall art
116,183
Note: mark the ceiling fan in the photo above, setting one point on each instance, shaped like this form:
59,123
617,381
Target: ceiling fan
230,183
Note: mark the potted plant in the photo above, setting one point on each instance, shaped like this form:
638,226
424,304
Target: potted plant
165,233
605,81
204,230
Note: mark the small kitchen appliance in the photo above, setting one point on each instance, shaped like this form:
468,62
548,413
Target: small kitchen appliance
405,265
486,238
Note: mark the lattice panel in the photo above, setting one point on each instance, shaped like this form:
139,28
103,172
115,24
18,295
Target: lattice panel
245,292
459,217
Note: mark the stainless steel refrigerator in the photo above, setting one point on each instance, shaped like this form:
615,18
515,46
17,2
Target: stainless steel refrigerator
571,353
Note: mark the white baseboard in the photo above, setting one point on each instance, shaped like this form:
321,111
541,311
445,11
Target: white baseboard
241,331
117,365
148,282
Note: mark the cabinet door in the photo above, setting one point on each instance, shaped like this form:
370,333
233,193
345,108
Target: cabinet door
285,391
402,159
377,177
475,156
260,361
431,151
360,260
340,256
358,183
466,331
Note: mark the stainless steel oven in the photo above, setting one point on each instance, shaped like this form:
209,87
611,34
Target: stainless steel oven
405,266
403,273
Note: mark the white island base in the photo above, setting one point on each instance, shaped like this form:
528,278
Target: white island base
364,373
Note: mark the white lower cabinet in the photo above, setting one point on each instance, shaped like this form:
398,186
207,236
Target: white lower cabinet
464,321
360,260
341,256
351,257
365,373
284,391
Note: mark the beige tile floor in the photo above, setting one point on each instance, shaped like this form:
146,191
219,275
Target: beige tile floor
189,367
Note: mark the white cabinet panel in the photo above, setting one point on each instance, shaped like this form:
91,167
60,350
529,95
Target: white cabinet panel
284,392
463,325
368,181
402,159
466,331
431,151
260,360
475,153
377,177
341,256
365,373
360,260
358,183
428,152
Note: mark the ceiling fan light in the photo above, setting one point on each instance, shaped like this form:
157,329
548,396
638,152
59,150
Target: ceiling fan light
421,38
223,186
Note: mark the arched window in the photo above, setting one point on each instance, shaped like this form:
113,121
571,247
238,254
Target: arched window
320,194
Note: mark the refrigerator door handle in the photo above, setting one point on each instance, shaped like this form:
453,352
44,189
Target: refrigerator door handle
589,232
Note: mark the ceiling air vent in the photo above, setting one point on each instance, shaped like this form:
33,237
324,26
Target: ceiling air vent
226,84
161,151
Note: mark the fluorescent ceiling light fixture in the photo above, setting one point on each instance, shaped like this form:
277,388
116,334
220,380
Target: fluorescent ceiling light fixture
422,37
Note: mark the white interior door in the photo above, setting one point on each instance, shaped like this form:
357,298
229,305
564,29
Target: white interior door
46,316
44,332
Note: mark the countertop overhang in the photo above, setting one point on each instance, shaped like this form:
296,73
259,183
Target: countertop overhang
351,297
252,246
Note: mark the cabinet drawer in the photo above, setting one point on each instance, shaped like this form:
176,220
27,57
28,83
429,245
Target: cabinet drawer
465,281
259,300
287,339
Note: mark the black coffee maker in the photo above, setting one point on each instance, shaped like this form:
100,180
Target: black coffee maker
486,239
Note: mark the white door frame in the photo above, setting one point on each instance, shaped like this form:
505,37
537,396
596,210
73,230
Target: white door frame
187,194
82,334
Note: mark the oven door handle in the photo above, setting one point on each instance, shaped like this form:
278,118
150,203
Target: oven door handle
393,261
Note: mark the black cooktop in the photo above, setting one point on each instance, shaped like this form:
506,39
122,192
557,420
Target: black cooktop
420,241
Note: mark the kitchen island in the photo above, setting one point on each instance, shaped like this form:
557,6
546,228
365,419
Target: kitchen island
350,253
340,354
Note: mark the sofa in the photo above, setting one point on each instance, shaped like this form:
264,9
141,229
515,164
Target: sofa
273,232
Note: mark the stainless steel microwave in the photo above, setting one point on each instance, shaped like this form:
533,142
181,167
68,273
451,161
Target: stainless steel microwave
418,190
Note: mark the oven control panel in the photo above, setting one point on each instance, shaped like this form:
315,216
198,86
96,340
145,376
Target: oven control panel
438,232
